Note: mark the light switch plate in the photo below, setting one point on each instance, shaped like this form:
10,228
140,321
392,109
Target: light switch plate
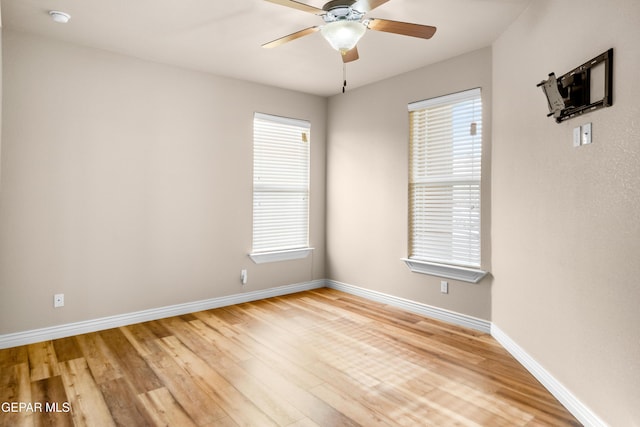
444,287
586,134
577,135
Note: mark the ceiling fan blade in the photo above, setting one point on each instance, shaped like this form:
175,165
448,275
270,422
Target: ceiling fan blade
350,55
290,37
404,28
297,5
367,5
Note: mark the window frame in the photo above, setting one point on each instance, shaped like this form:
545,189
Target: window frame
425,255
274,151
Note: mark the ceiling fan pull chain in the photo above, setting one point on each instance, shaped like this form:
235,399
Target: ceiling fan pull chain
344,77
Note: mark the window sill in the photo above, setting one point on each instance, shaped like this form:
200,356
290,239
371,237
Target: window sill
470,275
275,256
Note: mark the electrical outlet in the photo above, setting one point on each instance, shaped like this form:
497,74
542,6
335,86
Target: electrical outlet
243,276
444,287
58,300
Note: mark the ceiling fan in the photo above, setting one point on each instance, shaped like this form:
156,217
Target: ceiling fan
344,25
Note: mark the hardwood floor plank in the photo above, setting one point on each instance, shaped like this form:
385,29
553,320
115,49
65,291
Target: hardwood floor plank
342,400
50,394
164,410
132,364
102,362
223,422
372,398
305,422
221,354
219,321
327,310
271,341
138,336
473,397
235,311
13,356
266,358
66,349
315,358
15,387
237,406
473,411
124,405
195,401
157,328
42,360
225,315
15,383
188,317
271,404
222,343
311,406
544,410
87,403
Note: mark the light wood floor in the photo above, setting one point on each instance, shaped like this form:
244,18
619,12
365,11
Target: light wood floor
316,358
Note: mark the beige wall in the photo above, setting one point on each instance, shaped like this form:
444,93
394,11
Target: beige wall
566,221
1,31
126,185
367,160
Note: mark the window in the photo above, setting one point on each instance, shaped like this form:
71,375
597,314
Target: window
280,188
444,186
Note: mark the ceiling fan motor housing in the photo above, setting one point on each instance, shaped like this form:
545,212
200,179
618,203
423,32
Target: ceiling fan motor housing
337,3
341,10
342,14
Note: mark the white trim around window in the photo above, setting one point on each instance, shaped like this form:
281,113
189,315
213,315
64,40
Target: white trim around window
464,274
275,256
445,147
281,151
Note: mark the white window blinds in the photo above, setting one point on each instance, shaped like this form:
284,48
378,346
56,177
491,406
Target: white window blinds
280,183
444,182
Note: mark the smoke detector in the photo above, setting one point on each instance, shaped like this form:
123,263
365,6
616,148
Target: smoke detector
59,17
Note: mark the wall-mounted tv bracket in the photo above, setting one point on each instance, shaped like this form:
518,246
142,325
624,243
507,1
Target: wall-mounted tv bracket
570,95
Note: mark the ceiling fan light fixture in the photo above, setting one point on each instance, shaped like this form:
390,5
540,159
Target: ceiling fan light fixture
343,35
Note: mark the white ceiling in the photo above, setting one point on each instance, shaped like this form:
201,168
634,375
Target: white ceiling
225,37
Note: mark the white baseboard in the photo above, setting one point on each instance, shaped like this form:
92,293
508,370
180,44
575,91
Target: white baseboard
70,329
414,307
555,387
